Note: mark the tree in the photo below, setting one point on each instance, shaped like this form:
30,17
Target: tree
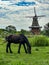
46,29
11,28
23,31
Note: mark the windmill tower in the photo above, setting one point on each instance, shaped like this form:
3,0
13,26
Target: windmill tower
35,28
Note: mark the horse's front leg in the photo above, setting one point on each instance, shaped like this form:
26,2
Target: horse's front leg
25,48
19,48
10,48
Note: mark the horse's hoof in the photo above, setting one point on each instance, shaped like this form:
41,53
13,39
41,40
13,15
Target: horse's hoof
18,52
6,51
26,52
11,52
29,53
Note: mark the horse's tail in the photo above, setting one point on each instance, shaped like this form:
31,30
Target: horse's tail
6,38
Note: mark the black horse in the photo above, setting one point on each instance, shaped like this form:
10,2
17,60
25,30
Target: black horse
18,39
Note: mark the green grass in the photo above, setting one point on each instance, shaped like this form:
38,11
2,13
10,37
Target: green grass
39,40
37,57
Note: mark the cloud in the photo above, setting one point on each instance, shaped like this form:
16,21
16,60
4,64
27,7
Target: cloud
43,1
15,15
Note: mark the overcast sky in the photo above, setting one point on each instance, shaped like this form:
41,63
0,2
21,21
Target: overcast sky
12,14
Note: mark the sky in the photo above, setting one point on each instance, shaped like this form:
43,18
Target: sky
14,13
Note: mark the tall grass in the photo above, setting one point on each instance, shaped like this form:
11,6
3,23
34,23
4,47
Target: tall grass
39,40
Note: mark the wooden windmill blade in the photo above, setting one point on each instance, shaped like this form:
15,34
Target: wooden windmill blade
35,11
41,16
32,16
29,16
35,15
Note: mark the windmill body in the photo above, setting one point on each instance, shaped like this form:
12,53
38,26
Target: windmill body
35,28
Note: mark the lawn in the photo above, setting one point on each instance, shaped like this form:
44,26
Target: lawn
37,57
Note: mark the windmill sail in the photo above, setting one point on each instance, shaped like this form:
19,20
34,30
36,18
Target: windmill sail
35,11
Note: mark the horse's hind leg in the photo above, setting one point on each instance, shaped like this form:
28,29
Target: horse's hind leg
7,47
19,48
10,48
25,48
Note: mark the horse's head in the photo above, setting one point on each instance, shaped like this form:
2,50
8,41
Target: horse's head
29,49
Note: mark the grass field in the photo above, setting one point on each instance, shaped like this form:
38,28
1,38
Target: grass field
40,57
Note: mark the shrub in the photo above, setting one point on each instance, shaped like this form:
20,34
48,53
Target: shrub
39,41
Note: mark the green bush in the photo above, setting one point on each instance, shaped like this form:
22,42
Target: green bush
39,40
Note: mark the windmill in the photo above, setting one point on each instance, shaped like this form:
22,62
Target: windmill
35,28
